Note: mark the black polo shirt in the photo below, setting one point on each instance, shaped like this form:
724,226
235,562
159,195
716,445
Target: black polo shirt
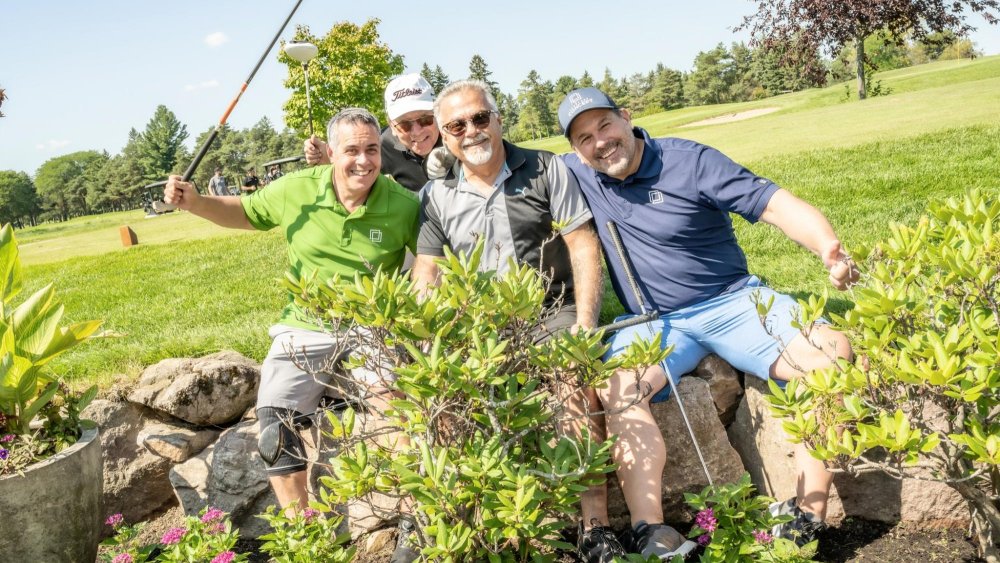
404,166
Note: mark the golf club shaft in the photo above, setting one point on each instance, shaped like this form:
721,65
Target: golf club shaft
305,71
631,321
630,275
222,121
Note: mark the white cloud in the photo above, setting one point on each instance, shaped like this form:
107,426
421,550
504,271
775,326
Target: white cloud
201,86
216,39
52,144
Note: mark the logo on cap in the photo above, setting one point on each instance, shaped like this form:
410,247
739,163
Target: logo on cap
406,92
576,101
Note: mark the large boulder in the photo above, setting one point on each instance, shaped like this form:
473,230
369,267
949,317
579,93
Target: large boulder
725,384
683,472
213,390
135,479
769,457
229,475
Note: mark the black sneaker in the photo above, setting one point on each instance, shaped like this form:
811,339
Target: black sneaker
803,526
660,540
406,542
598,545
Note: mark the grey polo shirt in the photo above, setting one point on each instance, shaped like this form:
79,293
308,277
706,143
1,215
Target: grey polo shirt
533,191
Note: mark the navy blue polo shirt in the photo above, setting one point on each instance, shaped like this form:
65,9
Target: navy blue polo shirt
673,219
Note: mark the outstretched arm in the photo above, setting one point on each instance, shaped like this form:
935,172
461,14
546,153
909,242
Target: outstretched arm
808,227
224,211
585,257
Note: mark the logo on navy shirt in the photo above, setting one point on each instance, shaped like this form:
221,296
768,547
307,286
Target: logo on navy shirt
375,235
655,197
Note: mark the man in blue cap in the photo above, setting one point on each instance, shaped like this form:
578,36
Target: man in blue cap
670,200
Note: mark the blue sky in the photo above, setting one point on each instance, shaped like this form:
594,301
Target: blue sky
81,74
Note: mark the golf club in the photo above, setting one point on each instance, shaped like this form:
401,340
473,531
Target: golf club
222,121
304,52
627,266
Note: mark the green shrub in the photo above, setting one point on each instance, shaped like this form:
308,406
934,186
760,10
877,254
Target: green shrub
487,464
922,398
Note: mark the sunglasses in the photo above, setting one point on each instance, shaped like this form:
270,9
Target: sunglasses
423,121
478,120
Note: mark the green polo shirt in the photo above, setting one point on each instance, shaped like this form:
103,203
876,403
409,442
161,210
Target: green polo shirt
323,238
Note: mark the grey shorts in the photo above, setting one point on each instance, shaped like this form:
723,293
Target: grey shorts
287,385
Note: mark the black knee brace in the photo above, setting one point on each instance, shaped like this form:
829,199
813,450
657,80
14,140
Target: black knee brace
279,441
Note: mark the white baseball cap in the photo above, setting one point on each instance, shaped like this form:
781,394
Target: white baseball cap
406,93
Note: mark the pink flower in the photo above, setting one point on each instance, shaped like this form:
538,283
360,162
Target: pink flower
173,536
310,513
704,539
706,520
762,536
122,558
7,438
224,557
114,521
212,514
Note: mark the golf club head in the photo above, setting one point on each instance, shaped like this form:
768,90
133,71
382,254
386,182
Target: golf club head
270,442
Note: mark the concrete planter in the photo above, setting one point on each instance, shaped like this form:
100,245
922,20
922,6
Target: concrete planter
52,512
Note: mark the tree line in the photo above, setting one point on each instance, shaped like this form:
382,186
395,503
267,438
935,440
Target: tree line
354,66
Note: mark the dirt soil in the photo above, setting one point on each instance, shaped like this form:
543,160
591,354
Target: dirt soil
853,541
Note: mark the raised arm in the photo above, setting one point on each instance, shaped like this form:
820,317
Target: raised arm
808,227
225,211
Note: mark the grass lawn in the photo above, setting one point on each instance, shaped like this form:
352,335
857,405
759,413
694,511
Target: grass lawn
191,288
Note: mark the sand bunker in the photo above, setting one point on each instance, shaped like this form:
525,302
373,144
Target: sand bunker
730,117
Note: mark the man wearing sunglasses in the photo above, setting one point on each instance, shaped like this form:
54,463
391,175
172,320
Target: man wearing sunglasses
411,135
511,197
671,201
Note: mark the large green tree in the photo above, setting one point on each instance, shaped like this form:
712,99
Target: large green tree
160,146
536,119
61,183
18,200
436,76
351,70
836,24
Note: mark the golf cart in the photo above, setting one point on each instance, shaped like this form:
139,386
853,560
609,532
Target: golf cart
273,166
152,199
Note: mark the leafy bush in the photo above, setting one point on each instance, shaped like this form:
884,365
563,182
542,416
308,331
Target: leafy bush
208,537
922,398
305,537
734,525
39,416
485,458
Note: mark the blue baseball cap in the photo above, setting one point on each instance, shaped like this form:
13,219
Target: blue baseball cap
579,101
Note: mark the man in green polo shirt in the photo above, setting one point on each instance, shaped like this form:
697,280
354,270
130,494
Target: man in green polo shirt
342,219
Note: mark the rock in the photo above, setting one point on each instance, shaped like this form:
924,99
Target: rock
725,384
174,442
379,540
768,456
135,480
228,475
213,390
683,472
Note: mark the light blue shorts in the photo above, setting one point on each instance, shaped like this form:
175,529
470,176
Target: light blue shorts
727,325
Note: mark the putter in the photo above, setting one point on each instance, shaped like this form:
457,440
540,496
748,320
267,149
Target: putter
627,266
304,52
